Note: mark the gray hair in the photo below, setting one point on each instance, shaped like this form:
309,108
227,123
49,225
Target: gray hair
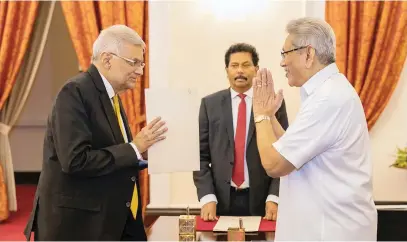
112,39
318,34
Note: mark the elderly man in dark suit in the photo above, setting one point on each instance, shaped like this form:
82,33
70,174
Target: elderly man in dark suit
88,188
232,180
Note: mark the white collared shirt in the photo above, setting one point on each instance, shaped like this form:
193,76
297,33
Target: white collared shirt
235,109
110,93
329,195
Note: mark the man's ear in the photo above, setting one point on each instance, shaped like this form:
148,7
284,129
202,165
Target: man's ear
310,56
257,68
105,59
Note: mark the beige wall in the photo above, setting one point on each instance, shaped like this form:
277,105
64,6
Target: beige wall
195,37
187,50
389,132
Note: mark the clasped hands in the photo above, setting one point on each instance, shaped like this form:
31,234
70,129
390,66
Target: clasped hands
265,100
149,135
208,211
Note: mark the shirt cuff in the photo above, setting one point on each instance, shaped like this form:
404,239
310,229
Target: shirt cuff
272,198
136,150
207,199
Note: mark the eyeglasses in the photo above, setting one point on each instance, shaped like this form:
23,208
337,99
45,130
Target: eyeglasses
284,53
132,63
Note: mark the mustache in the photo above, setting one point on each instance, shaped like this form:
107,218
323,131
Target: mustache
240,77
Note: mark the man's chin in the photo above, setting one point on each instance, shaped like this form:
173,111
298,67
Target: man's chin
131,84
291,82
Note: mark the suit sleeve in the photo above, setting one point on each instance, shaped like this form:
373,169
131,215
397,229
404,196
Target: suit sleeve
72,136
282,118
203,178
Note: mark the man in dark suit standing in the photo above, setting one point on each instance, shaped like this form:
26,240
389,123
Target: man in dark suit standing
232,180
88,188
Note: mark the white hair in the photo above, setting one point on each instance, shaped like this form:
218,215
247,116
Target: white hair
112,39
318,34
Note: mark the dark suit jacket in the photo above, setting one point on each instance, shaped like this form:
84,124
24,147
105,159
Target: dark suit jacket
88,172
217,155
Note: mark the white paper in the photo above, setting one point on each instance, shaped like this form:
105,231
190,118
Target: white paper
250,223
179,108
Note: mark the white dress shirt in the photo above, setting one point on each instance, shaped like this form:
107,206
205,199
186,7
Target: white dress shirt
235,108
110,93
329,195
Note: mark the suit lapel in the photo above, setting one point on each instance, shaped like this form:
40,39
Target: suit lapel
125,121
251,129
227,117
106,104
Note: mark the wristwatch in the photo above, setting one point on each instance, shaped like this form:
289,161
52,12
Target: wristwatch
260,118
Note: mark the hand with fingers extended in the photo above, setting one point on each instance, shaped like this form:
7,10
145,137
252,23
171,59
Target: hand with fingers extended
271,211
150,135
265,100
208,212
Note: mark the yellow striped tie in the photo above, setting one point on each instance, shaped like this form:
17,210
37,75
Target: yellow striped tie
134,199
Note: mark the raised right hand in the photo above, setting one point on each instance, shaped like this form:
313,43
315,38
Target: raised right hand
265,100
150,135
208,211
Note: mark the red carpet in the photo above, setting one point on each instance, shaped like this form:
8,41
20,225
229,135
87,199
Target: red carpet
13,227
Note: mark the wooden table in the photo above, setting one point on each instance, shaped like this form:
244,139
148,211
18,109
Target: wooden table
392,225
166,229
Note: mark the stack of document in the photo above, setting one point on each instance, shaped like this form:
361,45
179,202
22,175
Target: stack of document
250,224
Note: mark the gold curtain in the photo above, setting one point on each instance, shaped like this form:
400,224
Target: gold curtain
85,20
16,24
371,48
83,28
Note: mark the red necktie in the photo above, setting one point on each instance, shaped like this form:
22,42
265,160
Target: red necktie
240,141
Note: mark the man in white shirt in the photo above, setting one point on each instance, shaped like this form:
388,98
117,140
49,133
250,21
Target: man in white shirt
323,159
231,180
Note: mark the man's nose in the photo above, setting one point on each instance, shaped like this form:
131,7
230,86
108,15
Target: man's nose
282,63
240,70
139,71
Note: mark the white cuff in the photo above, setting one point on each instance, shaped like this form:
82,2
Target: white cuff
136,150
272,198
207,199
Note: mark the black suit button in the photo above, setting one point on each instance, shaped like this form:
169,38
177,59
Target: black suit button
231,162
128,204
133,178
228,182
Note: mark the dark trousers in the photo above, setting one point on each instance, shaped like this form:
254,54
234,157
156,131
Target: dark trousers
239,202
134,229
